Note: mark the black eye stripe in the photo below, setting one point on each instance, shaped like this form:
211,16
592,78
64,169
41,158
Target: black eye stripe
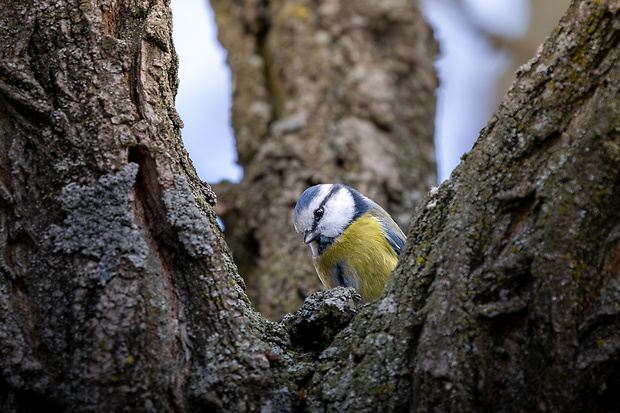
318,213
331,192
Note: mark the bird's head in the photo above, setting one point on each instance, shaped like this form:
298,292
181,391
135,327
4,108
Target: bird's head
324,211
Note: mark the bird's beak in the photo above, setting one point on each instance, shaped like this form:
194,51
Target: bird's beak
310,236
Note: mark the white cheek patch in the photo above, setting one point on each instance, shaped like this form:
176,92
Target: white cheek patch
339,211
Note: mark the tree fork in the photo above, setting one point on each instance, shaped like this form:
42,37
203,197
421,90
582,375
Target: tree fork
505,299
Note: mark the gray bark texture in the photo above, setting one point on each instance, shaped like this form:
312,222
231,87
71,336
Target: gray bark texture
102,243
118,292
323,92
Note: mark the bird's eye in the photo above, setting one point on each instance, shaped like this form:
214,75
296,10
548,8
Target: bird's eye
318,213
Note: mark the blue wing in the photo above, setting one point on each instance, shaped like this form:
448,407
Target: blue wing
394,239
391,231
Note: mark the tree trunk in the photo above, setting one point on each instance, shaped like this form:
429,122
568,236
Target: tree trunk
333,92
118,293
105,258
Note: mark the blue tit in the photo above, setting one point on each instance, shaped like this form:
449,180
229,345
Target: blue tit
354,242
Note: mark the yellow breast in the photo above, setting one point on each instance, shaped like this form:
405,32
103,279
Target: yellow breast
361,257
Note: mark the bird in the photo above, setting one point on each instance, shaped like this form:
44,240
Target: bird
354,242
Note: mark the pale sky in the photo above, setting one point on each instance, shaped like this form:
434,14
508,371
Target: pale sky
204,97
468,69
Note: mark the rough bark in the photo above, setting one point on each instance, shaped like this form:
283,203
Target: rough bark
118,293
333,91
106,262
